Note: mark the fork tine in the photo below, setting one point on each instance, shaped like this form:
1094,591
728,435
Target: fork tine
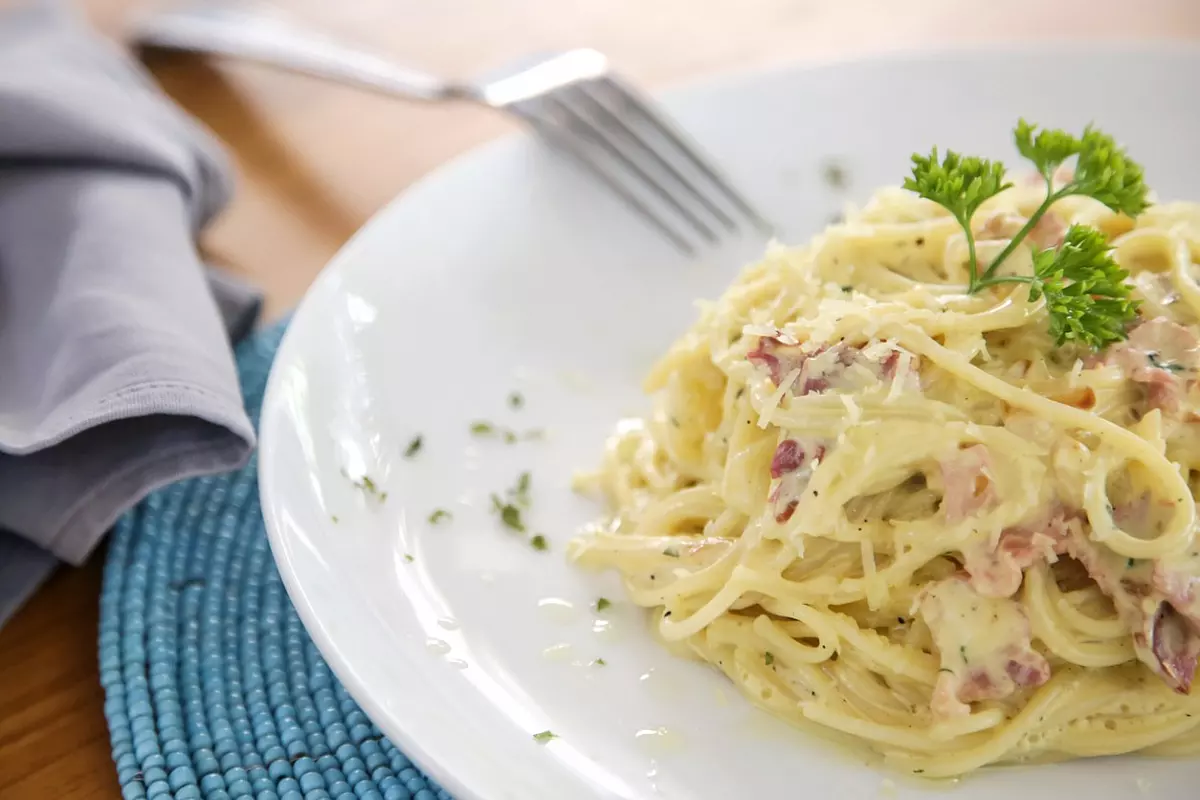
632,99
602,108
572,147
575,121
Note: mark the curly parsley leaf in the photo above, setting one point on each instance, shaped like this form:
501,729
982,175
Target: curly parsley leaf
1047,149
1105,173
959,184
1086,294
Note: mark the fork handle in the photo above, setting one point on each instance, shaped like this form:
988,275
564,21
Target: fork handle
218,31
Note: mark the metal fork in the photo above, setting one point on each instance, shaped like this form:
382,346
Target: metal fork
572,100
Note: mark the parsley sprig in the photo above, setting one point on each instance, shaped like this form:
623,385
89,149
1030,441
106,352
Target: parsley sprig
959,184
1086,296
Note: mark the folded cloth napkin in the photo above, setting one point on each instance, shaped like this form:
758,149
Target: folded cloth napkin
116,374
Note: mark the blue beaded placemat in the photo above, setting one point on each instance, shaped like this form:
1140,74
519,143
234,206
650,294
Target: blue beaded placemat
213,689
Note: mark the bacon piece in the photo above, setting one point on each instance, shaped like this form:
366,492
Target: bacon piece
1170,341
1176,642
821,369
789,457
891,363
791,468
782,515
967,487
1175,646
1157,600
999,225
998,571
1048,232
1163,390
779,358
1132,516
1161,356
984,644
1179,583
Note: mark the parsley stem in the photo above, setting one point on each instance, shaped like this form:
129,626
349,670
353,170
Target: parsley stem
973,260
1052,197
997,280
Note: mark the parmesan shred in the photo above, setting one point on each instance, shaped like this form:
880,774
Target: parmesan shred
900,379
853,409
1075,374
768,410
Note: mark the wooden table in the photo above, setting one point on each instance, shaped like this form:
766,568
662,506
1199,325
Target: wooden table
316,160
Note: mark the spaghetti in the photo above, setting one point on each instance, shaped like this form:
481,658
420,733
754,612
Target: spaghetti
901,513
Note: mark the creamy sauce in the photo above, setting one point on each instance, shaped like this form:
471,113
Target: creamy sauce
983,644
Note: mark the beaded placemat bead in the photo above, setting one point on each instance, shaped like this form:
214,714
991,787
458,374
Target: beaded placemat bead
213,689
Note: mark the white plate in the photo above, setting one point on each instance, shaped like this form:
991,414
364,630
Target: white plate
506,271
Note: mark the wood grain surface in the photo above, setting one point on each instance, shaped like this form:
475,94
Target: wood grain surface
315,161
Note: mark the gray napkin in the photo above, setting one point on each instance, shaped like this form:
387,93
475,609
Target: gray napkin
116,374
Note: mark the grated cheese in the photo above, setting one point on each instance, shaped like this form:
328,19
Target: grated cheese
768,411
875,591
770,332
853,409
878,350
1076,372
903,368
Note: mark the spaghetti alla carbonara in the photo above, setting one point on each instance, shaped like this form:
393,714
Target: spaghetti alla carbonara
902,513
